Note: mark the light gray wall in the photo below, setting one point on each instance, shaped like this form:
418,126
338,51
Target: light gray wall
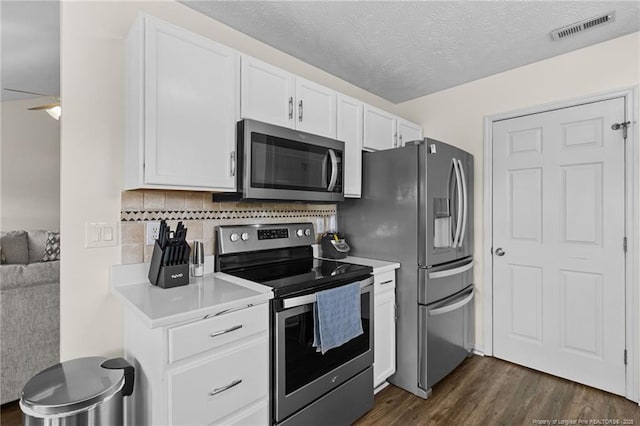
30,167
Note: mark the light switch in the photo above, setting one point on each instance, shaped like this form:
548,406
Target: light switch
100,234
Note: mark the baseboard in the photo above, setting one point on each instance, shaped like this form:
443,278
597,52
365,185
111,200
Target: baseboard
478,350
380,387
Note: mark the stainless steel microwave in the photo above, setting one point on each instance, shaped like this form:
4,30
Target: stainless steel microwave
277,163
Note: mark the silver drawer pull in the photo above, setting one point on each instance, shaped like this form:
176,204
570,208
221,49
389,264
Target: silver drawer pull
224,388
228,330
386,282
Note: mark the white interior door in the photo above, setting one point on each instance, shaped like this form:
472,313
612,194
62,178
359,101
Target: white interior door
558,229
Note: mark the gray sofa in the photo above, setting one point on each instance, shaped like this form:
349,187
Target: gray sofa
29,310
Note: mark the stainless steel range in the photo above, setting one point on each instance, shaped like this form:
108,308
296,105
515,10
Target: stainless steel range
307,387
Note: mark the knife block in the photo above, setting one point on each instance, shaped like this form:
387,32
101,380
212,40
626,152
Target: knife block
167,276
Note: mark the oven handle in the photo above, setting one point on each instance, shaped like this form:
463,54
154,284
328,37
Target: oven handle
311,298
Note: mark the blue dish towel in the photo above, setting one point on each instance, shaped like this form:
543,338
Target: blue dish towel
336,316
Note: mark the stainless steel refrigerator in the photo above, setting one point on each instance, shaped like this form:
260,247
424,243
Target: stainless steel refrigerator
417,209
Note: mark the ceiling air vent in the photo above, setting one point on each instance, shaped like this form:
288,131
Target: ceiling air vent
578,27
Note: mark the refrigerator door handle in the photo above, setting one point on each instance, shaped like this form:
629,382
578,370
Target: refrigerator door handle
453,306
456,238
464,203
452,271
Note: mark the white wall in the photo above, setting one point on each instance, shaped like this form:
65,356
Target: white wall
92,61
456,115
30,156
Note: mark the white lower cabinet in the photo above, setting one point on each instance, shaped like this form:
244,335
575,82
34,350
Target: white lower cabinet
180,383
220,385
384,364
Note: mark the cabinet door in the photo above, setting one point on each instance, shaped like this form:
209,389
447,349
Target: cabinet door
218,386
408,131
350,132
267,93
379,129
315,108
384,362
191,88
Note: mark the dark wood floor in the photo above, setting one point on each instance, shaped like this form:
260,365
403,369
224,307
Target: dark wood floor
10,414
488,391
484,391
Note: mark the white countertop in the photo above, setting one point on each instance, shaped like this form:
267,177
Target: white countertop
207,295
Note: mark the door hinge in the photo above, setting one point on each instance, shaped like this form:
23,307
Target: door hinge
624,244
624,127
625,357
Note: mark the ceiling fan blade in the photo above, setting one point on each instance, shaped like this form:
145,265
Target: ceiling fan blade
27,92
47,106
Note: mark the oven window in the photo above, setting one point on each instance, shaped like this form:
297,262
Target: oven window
303,364
284,164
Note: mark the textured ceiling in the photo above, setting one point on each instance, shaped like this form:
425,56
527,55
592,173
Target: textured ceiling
30,47
403,50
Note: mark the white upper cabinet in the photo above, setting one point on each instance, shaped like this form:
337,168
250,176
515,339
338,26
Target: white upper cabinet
408,131
350,132
267,93
316,108
275,96
383,130
182,103
379,129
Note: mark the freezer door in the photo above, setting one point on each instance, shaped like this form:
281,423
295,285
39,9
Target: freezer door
446,203
445,336
440,282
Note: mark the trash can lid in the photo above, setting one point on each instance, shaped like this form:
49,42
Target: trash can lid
71,386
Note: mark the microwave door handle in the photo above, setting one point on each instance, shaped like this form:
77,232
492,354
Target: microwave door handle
464,203
456,237
334,170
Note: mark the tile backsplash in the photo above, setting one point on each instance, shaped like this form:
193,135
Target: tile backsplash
201,215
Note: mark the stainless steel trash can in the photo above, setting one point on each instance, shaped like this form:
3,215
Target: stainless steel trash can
83,391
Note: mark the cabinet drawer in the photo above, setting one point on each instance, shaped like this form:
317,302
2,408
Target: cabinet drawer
255,415
190,339
384,281
219,386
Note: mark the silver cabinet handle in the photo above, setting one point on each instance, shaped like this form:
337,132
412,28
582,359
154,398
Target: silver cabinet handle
334,170
452,271
233,163
386,282
224,388
400,144
395,139
290,107
228,330
456,238
465,200
300,110
499,252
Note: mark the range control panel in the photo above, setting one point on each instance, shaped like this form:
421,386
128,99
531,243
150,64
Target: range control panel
244,238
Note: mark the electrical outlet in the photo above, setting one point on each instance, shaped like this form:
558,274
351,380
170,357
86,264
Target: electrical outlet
153,230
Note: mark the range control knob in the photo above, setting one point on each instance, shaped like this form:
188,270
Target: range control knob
244,236
235,237
307,232
299,232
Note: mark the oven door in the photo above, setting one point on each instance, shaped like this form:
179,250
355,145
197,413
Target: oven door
300,374
282,163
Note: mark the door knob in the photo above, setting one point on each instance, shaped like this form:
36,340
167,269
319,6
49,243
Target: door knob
499,252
